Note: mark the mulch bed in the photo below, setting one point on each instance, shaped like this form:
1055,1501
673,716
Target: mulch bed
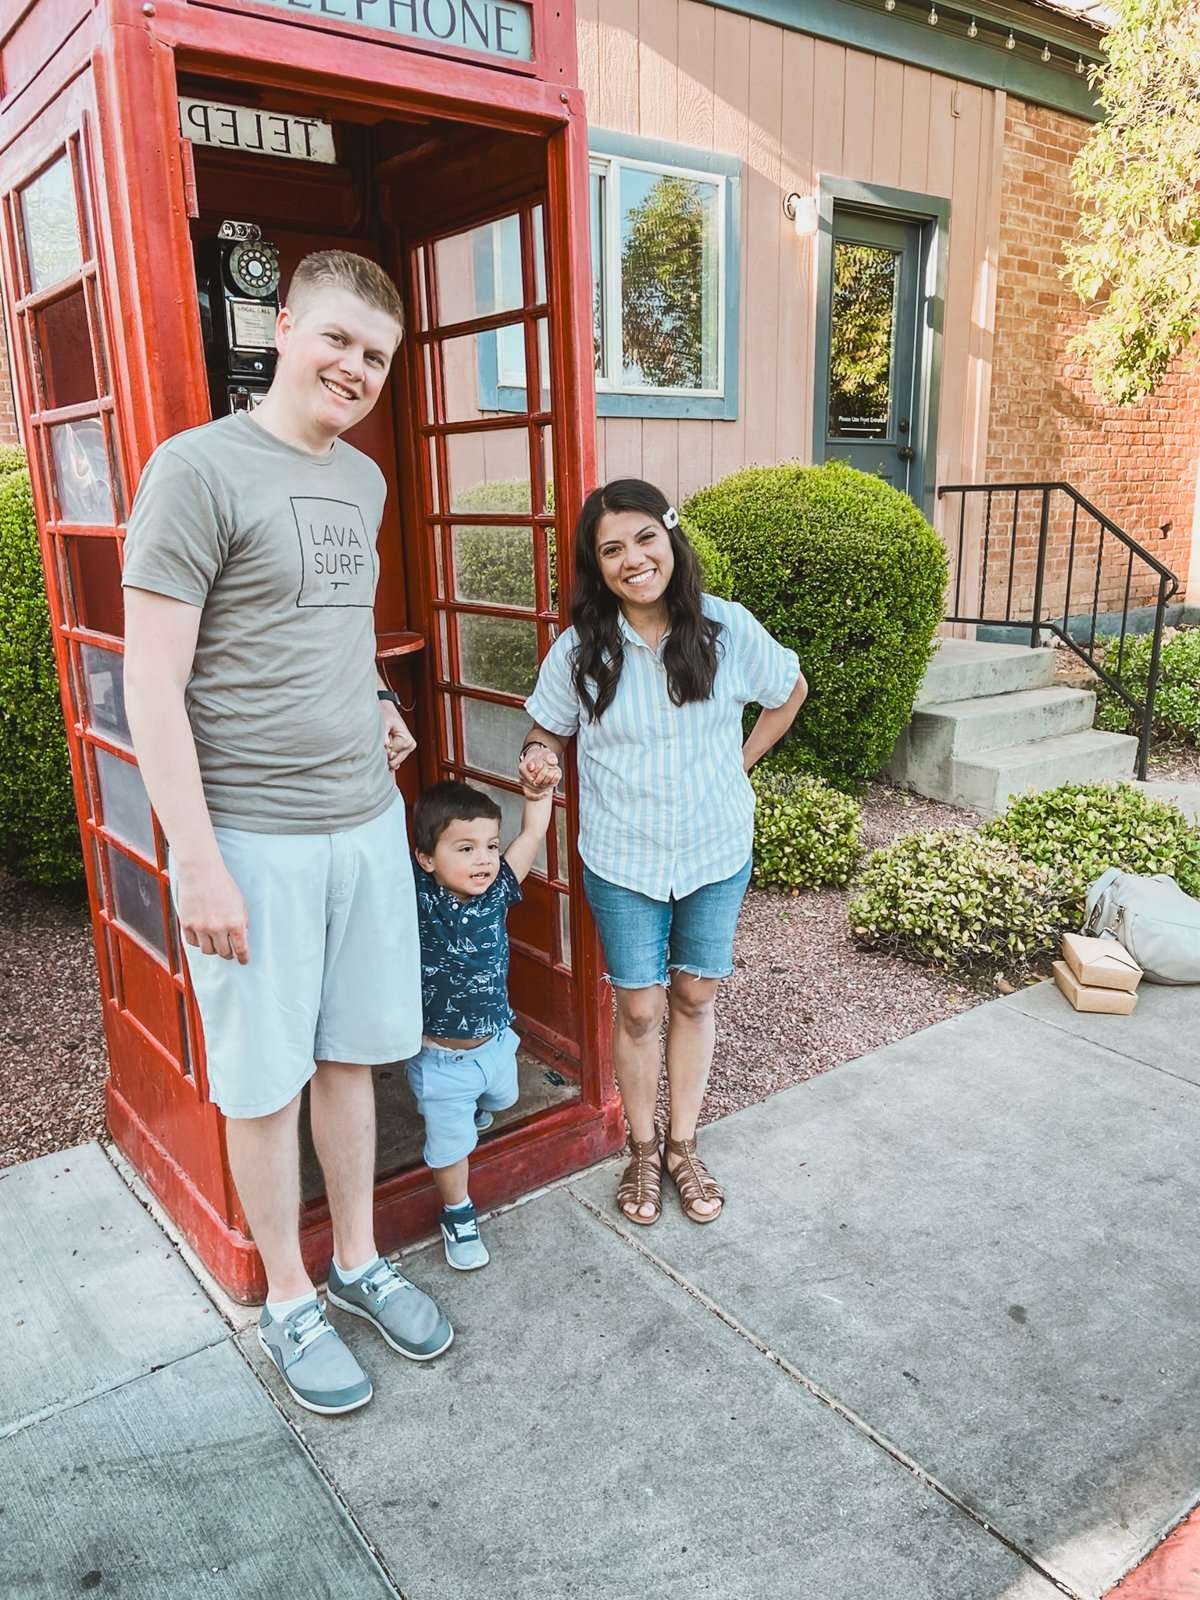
802,999
52,1055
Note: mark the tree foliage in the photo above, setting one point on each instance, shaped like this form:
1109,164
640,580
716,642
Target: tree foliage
1136,257
663,285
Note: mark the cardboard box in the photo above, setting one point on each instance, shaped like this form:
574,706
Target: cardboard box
1085,998
1101,963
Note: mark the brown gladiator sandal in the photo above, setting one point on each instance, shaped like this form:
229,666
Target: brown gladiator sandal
692,1179
641,1182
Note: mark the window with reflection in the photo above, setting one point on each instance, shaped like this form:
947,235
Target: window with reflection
50,224
862,340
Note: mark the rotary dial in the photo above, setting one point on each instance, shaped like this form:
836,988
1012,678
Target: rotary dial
254,268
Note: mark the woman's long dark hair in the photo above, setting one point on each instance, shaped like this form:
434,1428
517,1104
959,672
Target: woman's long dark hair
690,655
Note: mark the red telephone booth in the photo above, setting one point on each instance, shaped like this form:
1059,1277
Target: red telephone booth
446,139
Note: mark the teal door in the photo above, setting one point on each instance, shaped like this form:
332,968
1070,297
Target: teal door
872,383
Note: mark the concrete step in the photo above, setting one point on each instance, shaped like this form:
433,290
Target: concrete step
964,669
989,779
957,727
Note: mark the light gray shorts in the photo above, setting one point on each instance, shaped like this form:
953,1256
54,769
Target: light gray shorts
335,968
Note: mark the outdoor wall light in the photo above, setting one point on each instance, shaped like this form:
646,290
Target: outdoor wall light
803,213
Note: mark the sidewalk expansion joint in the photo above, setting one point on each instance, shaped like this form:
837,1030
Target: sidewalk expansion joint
1114,1050
323,1476
60,1408
818,1392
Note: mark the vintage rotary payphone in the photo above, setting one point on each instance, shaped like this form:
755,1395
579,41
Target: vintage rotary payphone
237,276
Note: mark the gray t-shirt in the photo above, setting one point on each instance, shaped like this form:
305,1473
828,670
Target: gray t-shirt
278,549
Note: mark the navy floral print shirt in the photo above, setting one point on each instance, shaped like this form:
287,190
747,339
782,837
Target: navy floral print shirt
464,956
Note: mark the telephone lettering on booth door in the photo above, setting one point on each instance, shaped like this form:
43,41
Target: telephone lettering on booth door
237,277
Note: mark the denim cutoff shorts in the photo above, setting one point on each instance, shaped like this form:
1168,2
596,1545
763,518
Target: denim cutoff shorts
643,939
450,1084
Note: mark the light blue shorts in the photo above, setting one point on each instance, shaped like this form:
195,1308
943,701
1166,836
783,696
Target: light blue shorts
450,1084
335,967
644,939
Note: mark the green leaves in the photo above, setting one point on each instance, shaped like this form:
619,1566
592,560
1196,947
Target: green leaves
959,900
805,833
39,834
845,570
1137,251
1177,703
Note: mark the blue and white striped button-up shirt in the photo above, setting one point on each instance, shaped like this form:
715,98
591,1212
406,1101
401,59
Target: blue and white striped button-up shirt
664,803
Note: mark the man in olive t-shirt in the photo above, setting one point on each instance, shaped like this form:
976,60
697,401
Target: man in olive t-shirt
267,743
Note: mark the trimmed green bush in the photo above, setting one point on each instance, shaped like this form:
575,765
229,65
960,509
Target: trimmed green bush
1080,829
845,570
12,459
1177,703
959,900
39,835
805,833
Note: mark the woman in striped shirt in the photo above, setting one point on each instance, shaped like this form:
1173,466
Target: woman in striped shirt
652,677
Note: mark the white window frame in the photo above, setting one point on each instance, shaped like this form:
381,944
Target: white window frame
609,167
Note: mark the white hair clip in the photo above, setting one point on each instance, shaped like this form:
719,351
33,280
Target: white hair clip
670,518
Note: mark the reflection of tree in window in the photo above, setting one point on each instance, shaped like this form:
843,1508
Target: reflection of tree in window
860,344
666,285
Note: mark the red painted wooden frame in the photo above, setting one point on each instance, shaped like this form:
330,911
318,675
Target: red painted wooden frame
95,84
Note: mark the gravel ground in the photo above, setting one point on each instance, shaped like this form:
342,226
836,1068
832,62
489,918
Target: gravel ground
52,1057
803,997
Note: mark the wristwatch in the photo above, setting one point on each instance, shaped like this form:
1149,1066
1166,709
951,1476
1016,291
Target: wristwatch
389,694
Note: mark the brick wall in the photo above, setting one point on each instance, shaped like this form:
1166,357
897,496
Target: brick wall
8,414
1136,464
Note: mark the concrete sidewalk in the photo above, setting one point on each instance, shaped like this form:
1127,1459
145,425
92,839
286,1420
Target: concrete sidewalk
943,1346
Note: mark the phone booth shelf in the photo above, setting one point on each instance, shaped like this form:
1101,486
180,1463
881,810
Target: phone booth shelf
140,144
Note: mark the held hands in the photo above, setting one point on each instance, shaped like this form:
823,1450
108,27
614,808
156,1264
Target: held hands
212,913
398,743
539,771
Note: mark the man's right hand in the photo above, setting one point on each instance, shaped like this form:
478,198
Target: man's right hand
212,912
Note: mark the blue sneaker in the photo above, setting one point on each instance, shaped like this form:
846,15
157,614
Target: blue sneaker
465,1250
319,1370
406,1317
483,1119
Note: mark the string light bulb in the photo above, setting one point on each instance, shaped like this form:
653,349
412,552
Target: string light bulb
1045,52
933,17
889,5
973,30
1079,66
1010,43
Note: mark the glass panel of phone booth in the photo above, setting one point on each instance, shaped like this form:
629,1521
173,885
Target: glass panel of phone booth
61,343
489,514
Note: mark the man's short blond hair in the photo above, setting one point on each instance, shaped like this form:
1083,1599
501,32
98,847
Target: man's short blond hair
341,269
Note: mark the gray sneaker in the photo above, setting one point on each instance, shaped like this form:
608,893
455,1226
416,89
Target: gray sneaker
320,1371
483,1119
406,1317
465,1250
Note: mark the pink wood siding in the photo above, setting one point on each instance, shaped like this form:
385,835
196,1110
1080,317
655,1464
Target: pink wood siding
794,108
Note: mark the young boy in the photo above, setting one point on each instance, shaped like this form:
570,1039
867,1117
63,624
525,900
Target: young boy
467,1067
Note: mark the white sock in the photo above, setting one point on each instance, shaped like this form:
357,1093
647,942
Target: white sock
353,1277
279,1309
460,1205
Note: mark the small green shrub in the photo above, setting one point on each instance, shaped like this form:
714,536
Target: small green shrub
845,570
12,459
959,900
1177,703
39,836
1081,829
805,833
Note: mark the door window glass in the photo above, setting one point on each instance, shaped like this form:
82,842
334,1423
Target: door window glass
479,272
104,688
862,340
124,804
493,735
51,227
489,471
136,901
497,653
62,348
93,584
493,565
82,472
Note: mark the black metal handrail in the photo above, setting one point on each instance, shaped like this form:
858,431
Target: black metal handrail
1026,584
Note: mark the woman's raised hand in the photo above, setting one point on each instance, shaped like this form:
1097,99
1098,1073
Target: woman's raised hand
538,770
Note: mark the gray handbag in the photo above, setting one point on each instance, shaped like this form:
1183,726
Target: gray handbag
1153,918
